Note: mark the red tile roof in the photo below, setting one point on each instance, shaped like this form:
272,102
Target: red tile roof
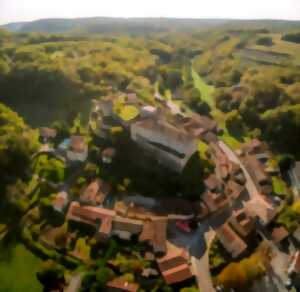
122,285
95,192
231,240
155,233
172,259
242,222
279,234
47,132
177,274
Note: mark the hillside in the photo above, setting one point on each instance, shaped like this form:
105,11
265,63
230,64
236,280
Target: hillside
53,77
142,25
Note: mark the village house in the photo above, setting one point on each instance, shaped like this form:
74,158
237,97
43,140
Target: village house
95,193
126,227
215,201
237,174
262,157
260,177
205,122
108,155
148,111
105,229
223,166
262,209
60,201
119,284
94,216
155,233
171,146
199,126
175,267
279,234
231,241
47,237
234,190
47,134
254,147
242,222
213,184
78,149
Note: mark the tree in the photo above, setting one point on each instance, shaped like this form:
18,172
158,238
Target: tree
283,122
265,41
292,37
193,99
18,143
223,100
234,123
51,274
285,161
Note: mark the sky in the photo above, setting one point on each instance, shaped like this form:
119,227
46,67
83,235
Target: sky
27,10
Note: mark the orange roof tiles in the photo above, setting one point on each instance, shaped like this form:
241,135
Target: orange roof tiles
122,285
177,274
231,240
279,234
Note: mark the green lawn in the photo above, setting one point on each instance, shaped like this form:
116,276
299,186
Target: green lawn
207,96
279,186
18,268
129,112
205,89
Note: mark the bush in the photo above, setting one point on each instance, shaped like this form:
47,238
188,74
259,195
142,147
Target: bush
265,41
238,275
51,274
234,123
292,37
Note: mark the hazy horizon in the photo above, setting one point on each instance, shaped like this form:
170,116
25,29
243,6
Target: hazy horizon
18,11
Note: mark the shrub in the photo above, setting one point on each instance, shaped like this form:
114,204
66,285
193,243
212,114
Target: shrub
265,41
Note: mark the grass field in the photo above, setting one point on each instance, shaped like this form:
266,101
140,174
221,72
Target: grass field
18,268
282,47
205,89
207,96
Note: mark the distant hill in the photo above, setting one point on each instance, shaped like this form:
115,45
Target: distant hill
13,26
142,25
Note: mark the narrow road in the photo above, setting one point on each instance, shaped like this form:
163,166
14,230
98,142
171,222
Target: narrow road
250,185
201,266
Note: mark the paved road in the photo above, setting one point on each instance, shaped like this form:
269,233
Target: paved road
201,266
250,185
195,241
198,243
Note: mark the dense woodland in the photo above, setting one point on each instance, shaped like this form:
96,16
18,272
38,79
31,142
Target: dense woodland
254,71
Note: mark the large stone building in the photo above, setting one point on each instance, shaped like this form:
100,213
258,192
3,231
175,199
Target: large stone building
171,146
